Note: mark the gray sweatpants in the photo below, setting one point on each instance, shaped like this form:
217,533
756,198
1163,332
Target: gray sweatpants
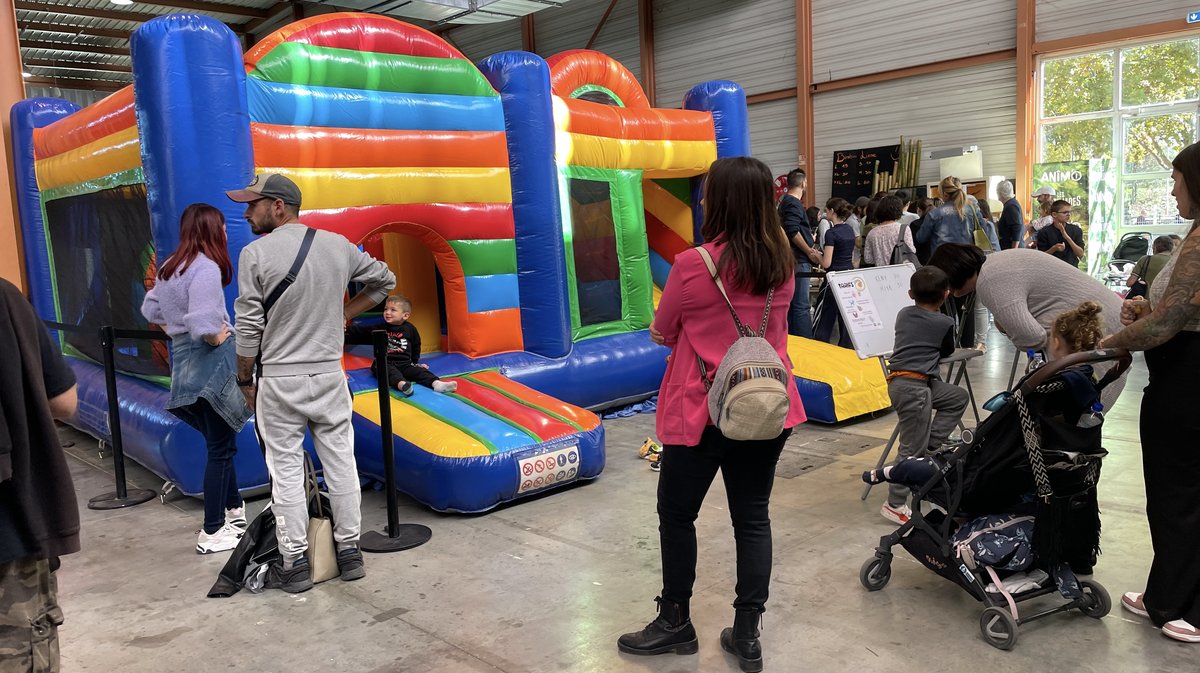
320,403
913,400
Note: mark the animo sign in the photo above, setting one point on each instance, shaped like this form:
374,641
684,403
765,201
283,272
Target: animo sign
853,170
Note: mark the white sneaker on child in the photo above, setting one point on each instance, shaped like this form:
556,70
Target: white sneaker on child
445,386
898,514
236,517
224,539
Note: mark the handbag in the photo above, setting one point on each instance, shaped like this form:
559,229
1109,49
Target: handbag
900,252
981,238
321,553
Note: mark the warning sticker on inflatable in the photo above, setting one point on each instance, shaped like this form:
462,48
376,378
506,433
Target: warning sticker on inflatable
547,469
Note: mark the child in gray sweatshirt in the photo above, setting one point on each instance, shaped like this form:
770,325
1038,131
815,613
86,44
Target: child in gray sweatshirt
923,337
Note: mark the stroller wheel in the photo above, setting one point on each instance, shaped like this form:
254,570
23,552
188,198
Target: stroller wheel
1097,602
875,573
998,627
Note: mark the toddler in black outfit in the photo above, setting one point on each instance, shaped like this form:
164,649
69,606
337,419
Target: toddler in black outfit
404,351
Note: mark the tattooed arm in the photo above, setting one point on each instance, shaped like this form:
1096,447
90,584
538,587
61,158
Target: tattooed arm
1179,305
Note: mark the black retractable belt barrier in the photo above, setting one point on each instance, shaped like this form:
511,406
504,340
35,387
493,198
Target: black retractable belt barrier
399,536
122,497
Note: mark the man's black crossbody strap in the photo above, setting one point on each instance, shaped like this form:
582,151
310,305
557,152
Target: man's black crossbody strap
290,278
283,285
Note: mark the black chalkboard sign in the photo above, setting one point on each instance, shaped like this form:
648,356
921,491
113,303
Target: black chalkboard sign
853,170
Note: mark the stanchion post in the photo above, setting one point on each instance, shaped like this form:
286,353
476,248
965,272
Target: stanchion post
121,497
379,340
398,537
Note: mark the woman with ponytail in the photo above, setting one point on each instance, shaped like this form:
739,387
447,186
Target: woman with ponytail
955,221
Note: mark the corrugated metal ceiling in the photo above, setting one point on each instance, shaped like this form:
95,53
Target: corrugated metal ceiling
71,42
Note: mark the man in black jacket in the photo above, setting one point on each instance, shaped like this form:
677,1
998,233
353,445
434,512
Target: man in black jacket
799,232
39,518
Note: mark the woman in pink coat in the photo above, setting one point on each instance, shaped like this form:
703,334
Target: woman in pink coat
752,256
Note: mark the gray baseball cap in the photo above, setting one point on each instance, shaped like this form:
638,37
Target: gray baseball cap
268,186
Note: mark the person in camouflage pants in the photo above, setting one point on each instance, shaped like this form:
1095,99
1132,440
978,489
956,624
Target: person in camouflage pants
29,623
39,516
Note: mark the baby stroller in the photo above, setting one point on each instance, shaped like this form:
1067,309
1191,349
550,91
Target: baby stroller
1132,247
1016,495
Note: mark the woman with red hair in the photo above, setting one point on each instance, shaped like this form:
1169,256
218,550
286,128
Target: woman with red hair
189,303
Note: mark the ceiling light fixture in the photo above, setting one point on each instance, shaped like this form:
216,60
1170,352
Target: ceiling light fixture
26,74
121,2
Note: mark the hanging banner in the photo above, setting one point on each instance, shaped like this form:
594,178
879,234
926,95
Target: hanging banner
1102,203
1070,182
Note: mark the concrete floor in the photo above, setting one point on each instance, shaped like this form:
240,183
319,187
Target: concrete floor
548,584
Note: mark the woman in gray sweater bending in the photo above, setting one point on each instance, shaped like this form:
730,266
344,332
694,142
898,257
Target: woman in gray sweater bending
188,301
1026,290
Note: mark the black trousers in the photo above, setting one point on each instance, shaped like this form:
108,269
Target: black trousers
415,373
1171,465
748,469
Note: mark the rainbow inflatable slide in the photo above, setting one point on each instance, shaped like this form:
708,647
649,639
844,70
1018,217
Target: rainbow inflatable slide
529,208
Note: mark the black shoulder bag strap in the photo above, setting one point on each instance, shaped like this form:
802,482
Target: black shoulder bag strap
290,278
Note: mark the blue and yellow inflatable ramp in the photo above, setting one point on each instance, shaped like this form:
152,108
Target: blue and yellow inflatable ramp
492,441
834,383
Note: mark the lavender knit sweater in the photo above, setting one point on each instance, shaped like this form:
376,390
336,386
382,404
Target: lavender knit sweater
190,302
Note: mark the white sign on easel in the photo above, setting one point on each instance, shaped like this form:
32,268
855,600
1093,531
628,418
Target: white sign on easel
868,300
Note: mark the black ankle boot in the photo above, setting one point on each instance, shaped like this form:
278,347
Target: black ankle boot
671,631
742,640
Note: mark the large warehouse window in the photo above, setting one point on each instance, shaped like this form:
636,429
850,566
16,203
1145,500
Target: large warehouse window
1138,103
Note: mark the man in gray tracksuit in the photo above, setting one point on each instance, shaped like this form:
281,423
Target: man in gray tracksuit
302,385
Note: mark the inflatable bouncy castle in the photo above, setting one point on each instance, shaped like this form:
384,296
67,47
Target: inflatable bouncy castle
530,208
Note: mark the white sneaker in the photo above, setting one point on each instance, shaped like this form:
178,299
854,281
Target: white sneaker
224,539
898,514
1181,630
445,386
236,517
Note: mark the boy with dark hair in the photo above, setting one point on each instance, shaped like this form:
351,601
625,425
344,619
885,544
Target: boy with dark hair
404,350
1063,238
924,336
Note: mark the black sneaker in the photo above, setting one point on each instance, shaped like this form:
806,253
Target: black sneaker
294,581
350,564
405,388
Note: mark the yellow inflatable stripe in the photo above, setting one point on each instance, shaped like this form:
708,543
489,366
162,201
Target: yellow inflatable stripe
656,296
668,209
426,432
113,153
665,158
858,386
348,187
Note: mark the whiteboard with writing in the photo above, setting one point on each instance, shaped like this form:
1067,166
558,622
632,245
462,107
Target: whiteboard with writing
868,300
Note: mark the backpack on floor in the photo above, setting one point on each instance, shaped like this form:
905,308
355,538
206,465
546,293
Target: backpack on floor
748,396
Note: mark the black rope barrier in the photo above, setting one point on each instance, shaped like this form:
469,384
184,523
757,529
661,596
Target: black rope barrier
122,496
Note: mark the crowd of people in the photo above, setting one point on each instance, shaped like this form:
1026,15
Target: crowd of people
281,359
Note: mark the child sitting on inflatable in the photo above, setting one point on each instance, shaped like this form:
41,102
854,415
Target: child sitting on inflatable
404,350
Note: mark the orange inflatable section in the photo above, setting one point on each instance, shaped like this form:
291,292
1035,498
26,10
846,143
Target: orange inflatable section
594,119
472,334
103,118
314,147
576,68
581,417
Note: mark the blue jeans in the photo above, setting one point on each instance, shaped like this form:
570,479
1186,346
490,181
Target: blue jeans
220,478
800,313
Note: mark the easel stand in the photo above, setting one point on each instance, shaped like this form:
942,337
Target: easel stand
399,536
